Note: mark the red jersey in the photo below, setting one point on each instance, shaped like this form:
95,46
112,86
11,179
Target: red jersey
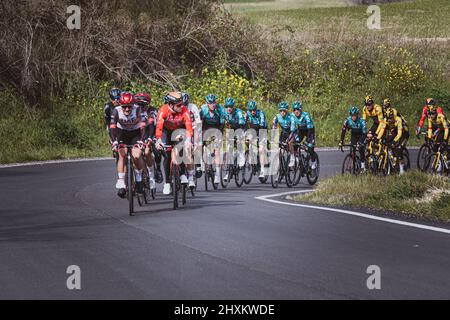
169,120
424,115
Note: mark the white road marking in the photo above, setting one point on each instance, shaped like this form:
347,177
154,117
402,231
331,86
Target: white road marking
39,163
353,213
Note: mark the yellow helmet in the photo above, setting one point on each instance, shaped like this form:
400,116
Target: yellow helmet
368,100
387,103
391,113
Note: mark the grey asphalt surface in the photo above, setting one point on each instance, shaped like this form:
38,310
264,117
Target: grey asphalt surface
224,244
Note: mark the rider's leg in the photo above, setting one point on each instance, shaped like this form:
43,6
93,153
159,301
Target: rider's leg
121,169
149,164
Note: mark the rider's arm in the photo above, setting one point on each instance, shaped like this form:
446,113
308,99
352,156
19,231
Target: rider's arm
344,130
444,125
423,117
188,124
381,121
309,123
364,126
398,124
274,122
113,125
160,123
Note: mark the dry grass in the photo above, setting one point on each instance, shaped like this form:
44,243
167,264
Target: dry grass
414,194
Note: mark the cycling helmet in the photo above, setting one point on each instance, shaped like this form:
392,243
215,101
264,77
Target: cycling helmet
114,93
297,105
368,100
283,106
210,98
173,98
387,103
353,111
126,99
390,113
430,102
142,97
185,98
229,102
251,105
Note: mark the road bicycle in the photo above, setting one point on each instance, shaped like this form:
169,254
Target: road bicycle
176,185
231,170
352,161
439,161
279,165
210,170
302,166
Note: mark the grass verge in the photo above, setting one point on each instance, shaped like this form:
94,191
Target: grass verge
414,194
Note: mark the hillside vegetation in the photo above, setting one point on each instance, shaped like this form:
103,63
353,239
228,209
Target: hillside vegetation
55,81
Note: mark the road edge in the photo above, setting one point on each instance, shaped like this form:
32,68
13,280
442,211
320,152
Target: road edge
267,198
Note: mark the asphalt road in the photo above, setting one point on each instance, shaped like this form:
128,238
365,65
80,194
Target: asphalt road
223,245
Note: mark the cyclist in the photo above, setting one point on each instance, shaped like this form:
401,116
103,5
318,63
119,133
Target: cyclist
302,127
397,135
256,119
128,127
428,104
283,120
174,115
143,99
375,112
437,123
114,95
197,127
235,120
358,129
213,117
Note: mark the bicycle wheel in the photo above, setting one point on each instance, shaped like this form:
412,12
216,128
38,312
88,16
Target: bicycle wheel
130,186
422,156
238,174
372,163
225,172
275,177
183,192
347,165
290,172
146,181
312,175
206,174
301,170
175,179
248,169
406,161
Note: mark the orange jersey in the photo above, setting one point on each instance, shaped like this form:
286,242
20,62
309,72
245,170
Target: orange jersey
169,120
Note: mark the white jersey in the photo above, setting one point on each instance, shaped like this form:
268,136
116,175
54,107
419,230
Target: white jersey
129,123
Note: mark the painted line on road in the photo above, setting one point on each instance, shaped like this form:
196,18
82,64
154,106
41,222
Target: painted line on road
353,213
39,163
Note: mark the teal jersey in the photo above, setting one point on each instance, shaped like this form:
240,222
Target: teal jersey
214,120
235,119
358,126
283,122
304,122
258,121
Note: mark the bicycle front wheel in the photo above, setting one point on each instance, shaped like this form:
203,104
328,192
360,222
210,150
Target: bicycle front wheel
175,179
422,157
130,185
313,173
